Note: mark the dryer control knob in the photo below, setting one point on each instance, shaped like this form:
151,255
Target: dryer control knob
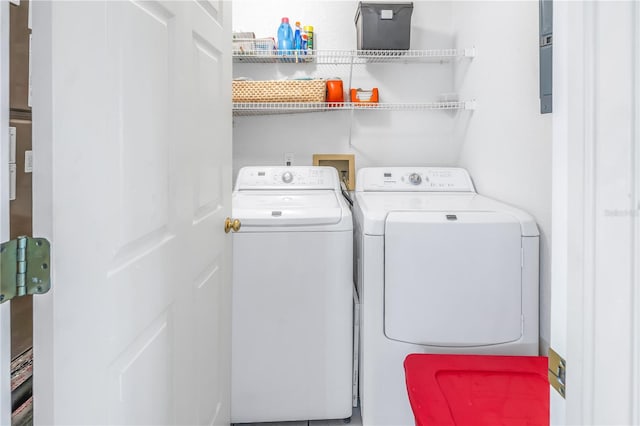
415,179
287,177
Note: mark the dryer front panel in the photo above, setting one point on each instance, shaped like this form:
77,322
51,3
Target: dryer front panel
453,278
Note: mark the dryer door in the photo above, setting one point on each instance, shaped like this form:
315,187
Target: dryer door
453,278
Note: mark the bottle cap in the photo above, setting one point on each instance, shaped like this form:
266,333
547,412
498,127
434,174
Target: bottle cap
285,20
308,28
297,23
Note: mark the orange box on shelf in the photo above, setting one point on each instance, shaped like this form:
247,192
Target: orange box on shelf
334,91
364,96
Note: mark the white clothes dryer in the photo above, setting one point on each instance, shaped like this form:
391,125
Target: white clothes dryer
292,296
440,269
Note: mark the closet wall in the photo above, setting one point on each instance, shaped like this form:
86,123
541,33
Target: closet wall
377,137
506,146
505,143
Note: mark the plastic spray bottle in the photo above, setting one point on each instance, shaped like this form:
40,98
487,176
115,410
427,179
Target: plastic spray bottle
297,37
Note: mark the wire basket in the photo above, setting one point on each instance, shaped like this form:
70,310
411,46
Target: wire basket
254,46
279,91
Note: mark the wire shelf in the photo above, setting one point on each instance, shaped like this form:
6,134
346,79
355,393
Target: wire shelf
265,108
351,56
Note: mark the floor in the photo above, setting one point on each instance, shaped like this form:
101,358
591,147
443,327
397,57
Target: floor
21,361
356,420
21,325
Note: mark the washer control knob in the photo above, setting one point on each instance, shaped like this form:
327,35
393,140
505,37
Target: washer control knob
415,179
287,177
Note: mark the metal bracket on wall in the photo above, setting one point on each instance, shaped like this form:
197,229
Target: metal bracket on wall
557,372
24,267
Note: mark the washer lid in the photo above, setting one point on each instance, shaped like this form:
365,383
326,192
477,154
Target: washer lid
286,208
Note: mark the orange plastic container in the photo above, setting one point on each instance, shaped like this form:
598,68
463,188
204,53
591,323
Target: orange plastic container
364,96
334,91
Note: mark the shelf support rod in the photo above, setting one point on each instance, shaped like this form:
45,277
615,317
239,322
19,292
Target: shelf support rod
353,56
351,113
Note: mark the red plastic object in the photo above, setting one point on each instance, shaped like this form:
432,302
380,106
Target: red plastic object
478,390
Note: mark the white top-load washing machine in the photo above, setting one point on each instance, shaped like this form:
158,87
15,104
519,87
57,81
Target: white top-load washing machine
441,269
292,296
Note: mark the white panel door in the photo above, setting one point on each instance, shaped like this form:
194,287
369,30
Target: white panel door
132,170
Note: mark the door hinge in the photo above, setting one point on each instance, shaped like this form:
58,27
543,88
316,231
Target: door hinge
24,267
557,372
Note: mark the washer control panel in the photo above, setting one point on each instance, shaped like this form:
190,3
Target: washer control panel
293,177
417,179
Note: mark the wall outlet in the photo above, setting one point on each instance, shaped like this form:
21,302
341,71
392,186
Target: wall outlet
288,158
344,163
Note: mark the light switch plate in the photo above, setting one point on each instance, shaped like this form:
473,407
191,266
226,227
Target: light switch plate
13,171
30,92
12,145
288,158
28,161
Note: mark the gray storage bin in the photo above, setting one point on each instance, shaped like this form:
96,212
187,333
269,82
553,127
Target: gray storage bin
383,26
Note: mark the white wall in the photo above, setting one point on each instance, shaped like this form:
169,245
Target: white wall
378,137
507,144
